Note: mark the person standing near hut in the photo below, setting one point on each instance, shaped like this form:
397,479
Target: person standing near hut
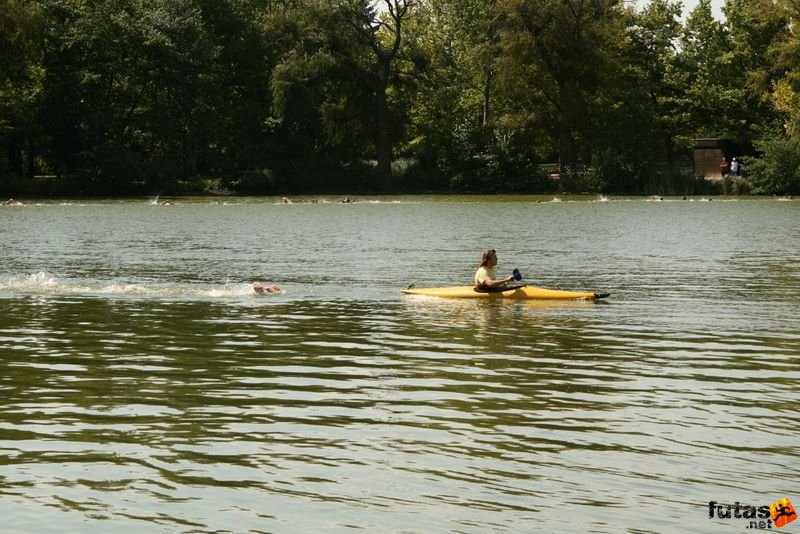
724,167
734,167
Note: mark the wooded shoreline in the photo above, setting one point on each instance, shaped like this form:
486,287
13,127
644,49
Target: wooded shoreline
393,96
51,187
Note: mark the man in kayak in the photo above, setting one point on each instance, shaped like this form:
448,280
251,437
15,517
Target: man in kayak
484,276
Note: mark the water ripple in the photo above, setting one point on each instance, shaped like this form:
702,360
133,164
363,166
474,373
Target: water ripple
163,400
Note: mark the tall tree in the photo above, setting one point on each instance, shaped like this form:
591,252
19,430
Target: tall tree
714,88
472,28
378,30
345,63
21,85
454,46
555,51
757,30
137,78
319,108
239,87
777,170
652,44
783,82
629,131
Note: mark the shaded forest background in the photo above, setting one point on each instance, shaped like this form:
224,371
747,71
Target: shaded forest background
279,96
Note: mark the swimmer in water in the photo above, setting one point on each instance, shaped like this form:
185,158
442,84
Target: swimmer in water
261,289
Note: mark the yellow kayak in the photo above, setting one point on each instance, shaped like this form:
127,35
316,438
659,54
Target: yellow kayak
524,292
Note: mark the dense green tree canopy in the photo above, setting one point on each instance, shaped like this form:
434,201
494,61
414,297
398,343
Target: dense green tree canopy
141,96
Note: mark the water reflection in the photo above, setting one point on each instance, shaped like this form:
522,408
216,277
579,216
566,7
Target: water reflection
350,406
489,411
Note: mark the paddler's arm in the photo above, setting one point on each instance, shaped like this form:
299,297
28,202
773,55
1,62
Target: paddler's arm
488,282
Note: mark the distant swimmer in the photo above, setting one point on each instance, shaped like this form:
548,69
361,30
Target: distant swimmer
285,200
168,203
261,289
12,202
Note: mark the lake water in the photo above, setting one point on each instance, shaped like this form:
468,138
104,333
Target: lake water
147,389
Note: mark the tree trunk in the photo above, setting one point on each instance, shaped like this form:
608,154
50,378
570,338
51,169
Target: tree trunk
15,158
567,157
30,159
487,88
383,139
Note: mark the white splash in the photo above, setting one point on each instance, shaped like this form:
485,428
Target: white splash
44,282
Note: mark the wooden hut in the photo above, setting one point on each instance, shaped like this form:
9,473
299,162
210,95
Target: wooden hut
708,154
